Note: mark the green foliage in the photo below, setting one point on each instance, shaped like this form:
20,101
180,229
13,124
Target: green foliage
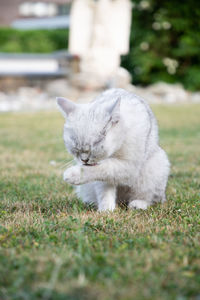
32,41
53,247
165,42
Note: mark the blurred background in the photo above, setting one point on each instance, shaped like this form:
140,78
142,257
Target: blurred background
78,48
52,247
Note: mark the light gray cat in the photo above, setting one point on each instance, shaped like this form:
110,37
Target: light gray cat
114,140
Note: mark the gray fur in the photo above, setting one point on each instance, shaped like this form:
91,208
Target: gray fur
114,140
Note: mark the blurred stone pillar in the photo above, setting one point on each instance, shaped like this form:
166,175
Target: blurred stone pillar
99,35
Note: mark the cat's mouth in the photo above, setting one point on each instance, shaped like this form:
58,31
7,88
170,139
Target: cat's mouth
90,165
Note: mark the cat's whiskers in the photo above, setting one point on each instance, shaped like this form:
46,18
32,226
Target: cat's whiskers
68,164
64,161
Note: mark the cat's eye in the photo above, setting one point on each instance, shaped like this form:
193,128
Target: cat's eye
75,150
98,141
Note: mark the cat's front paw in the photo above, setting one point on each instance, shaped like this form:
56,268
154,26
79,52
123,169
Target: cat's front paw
109,206
73,175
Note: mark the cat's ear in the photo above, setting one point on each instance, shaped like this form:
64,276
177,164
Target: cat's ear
66,106
114,111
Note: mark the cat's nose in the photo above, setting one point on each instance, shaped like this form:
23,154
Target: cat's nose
85,160
84,157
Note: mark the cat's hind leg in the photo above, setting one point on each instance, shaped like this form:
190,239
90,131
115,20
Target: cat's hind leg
139,204
151,184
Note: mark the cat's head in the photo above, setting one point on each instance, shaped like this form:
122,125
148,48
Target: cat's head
91,131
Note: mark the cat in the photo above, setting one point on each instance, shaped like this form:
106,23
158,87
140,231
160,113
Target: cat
114,140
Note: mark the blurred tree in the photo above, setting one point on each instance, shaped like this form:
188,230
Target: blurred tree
165,42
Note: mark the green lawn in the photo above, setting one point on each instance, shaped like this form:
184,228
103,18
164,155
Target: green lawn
52,247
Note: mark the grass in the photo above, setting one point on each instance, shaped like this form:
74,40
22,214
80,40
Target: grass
52,247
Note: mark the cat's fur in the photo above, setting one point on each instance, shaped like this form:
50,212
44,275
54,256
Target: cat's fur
115,142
